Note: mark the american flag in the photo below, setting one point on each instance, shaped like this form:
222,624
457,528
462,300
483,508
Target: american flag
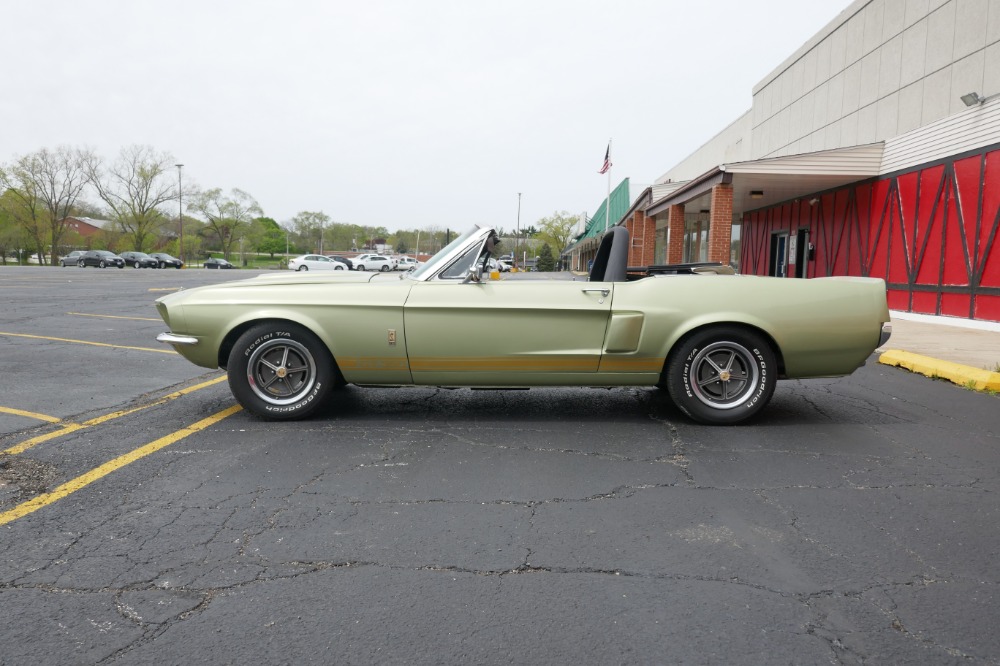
607,160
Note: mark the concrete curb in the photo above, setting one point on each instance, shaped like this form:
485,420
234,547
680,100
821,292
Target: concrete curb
963,375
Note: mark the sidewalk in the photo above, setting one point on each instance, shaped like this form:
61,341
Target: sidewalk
964,351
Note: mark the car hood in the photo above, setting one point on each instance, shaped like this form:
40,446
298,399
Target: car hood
279,279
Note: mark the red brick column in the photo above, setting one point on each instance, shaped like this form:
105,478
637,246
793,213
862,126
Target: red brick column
642,239
720,228
675,243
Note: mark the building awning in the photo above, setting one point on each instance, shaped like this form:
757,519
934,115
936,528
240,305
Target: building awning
766,182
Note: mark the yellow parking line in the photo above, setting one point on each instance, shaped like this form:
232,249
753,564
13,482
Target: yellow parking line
84,314
73,427
97,473
86,342
30,415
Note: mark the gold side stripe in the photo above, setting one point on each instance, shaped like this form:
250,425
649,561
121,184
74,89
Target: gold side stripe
504,364
501,364
631,364
370,363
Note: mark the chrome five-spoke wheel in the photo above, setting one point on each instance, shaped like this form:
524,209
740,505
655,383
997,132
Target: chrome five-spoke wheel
281,370
721,375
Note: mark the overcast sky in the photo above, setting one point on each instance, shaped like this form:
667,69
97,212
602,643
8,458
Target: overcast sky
401,113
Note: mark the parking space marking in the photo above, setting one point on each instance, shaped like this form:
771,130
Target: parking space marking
73,427
102,316
87,342
30,415
97,473
165,288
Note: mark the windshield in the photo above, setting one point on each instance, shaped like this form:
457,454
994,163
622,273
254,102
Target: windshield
431,265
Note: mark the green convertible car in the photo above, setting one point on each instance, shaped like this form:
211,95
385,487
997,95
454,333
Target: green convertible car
716,342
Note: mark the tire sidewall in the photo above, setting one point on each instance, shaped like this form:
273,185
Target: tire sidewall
240,357
680,375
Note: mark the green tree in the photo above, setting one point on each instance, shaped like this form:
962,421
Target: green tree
311,226
46,186
271,238
226,216
557,230
136,187
546,262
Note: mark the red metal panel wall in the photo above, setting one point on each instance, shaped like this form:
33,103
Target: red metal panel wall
931,233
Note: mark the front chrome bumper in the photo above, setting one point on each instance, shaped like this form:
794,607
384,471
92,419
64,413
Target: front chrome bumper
172,339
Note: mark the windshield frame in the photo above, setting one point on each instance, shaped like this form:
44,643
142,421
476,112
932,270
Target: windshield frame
455,249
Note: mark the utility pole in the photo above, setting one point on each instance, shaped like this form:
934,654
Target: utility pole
180,212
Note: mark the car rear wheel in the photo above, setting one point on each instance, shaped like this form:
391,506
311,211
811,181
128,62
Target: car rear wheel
722,375
135,265
81,264
384,268
102,264
280,371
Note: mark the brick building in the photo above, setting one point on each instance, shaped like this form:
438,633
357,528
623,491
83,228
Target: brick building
874,149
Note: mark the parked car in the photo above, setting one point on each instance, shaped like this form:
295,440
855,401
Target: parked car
100,259
716,343
497,265
372,262
72,259
218,262
139,260
344,260
315,262
163,260
407,264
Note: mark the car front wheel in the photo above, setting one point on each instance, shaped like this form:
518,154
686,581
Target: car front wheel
360,268
722,375
384,268
280,371
81,264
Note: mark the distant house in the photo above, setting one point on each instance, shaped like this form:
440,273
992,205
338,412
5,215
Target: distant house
88,226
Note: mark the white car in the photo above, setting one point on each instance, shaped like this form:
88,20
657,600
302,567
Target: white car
407,263
315,262
372,262
498,265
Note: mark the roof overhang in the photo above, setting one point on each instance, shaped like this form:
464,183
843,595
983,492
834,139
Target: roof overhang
766,182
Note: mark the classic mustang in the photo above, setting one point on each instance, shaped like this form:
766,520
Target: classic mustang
717,343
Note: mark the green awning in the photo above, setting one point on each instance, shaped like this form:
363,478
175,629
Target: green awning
620,202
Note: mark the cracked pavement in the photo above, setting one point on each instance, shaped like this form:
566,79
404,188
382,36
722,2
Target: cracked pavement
854,523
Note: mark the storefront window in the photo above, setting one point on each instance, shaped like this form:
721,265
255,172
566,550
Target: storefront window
696,240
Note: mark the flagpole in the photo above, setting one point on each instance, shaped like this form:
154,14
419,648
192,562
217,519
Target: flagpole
607,202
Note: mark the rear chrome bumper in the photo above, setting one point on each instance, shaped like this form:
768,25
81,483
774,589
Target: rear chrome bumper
172,339
886,333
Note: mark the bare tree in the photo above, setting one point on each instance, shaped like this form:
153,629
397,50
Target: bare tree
228,216
46,186
134,187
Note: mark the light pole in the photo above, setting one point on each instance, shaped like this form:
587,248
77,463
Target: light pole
180,211
416,250
513,254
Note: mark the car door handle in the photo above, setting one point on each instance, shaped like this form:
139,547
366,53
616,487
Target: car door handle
603,292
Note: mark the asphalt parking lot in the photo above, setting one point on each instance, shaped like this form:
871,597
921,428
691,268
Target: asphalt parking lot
144,517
